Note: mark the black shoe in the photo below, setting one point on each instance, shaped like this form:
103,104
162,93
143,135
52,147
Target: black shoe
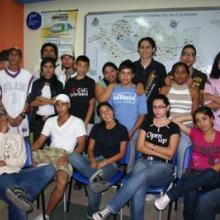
78,185
97,183
19,198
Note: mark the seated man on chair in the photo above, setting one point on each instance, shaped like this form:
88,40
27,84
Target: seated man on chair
67,134
18,187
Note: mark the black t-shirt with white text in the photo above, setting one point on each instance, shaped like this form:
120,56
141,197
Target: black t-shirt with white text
80,91
159,135
107,141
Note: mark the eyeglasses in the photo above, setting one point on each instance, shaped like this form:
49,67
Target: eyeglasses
159,106
188,54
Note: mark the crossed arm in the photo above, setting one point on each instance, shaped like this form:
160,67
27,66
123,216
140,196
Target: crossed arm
148,148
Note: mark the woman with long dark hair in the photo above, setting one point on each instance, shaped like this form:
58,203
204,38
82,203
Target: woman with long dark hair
105,85
149,72
212,91
107,145
43,92
158,140
204,169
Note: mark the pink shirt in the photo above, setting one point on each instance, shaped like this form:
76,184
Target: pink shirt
204,154
213,87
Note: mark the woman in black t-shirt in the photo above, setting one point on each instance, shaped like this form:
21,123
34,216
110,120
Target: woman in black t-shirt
107,145
148,71
158,140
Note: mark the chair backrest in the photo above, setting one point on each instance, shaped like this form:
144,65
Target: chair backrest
174,159
28,162
125,159
187,158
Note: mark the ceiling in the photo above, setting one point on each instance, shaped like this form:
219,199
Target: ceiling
31,1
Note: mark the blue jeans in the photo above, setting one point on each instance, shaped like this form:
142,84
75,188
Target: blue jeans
81,163
190,186
208,205
132,154
32,181
185,142
146,173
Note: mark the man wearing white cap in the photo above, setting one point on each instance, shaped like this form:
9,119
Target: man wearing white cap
66,70
67,134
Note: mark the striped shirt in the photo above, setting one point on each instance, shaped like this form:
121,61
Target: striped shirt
180,100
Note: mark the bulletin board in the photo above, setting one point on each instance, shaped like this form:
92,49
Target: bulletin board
113,36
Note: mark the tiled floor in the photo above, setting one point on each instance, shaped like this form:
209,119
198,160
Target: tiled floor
79,197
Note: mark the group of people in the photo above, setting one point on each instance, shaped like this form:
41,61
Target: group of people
137,105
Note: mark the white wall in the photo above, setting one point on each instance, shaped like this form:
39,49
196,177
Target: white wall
32,38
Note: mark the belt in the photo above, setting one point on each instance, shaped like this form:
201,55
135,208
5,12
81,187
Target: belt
155,158
42,117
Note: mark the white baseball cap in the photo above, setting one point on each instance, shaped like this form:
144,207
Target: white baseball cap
69,53
62,98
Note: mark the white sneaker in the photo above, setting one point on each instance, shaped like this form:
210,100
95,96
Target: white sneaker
162,202
150,197
40,217
89,217
101,215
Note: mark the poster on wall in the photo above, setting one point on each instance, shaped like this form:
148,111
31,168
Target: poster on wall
59,27
113,36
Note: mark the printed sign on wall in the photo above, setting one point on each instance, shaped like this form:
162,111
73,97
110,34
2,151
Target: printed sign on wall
59,27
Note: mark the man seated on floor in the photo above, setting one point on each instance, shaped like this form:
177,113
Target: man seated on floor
67,134
18,187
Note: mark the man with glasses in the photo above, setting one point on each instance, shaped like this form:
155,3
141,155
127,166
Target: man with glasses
197,78
188,56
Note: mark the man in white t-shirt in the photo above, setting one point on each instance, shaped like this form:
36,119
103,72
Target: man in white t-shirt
67,134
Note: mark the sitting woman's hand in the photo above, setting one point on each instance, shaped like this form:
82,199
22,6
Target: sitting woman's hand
94,164
101,164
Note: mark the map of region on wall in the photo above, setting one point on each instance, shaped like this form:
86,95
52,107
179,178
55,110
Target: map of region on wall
113,36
